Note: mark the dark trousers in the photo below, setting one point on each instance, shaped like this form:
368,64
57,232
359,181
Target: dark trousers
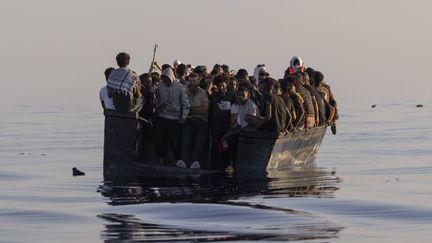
194,140
218,160
167,132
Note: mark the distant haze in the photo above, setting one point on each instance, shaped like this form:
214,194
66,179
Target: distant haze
56,51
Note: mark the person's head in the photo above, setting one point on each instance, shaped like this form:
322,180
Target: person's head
123,59
310,71
176,63
242,74
221,82
193,81
165,66
297,64
108,72
242,95
181,71
269,85
201,71
218,68
155,77
167,76
318,78
233,85
290,87
262,75
225,69
145,79
290,83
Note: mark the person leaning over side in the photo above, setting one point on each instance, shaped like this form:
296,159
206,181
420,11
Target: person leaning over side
195,130
325,91
172,109
125,85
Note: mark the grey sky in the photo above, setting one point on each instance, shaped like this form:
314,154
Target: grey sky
58,50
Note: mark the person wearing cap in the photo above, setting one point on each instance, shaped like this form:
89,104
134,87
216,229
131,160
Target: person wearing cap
172,109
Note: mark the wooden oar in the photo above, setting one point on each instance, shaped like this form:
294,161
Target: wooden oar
154,55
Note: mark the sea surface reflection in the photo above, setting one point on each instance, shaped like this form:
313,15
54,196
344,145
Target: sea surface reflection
209,206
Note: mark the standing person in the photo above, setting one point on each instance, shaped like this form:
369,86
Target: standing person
125,85
105,94
149,96
220,116
172,110
195,129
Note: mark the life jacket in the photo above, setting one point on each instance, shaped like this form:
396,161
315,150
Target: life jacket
292,72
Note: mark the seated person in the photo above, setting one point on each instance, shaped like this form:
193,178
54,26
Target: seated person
243,108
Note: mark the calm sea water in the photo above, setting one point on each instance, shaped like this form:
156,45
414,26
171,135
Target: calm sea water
370,183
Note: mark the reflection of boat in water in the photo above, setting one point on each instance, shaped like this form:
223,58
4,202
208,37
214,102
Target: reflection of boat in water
130,184
257,153
213,201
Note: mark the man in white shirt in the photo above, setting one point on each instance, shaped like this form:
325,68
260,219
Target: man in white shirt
242,108
104,93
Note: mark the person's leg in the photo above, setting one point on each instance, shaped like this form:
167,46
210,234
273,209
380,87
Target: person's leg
173,130
200,141
187,141
214,153
160,136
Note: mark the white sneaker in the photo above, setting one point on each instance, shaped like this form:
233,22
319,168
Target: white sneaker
181,164
195,165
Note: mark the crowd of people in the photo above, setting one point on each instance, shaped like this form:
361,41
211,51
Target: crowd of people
189,106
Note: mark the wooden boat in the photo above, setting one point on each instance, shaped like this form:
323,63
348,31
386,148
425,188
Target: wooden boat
257,154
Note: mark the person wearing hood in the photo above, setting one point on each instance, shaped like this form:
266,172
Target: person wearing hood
259,72
172,109
296,66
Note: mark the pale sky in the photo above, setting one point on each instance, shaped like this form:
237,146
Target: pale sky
56,51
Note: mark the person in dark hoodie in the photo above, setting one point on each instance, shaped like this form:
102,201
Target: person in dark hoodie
172,109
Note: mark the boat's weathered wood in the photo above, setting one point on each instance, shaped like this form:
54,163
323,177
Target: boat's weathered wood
121,133
260,152
257,152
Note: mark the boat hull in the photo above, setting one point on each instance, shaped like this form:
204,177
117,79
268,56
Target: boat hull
262,152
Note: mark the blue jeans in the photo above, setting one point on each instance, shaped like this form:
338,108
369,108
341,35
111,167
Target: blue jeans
194,140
